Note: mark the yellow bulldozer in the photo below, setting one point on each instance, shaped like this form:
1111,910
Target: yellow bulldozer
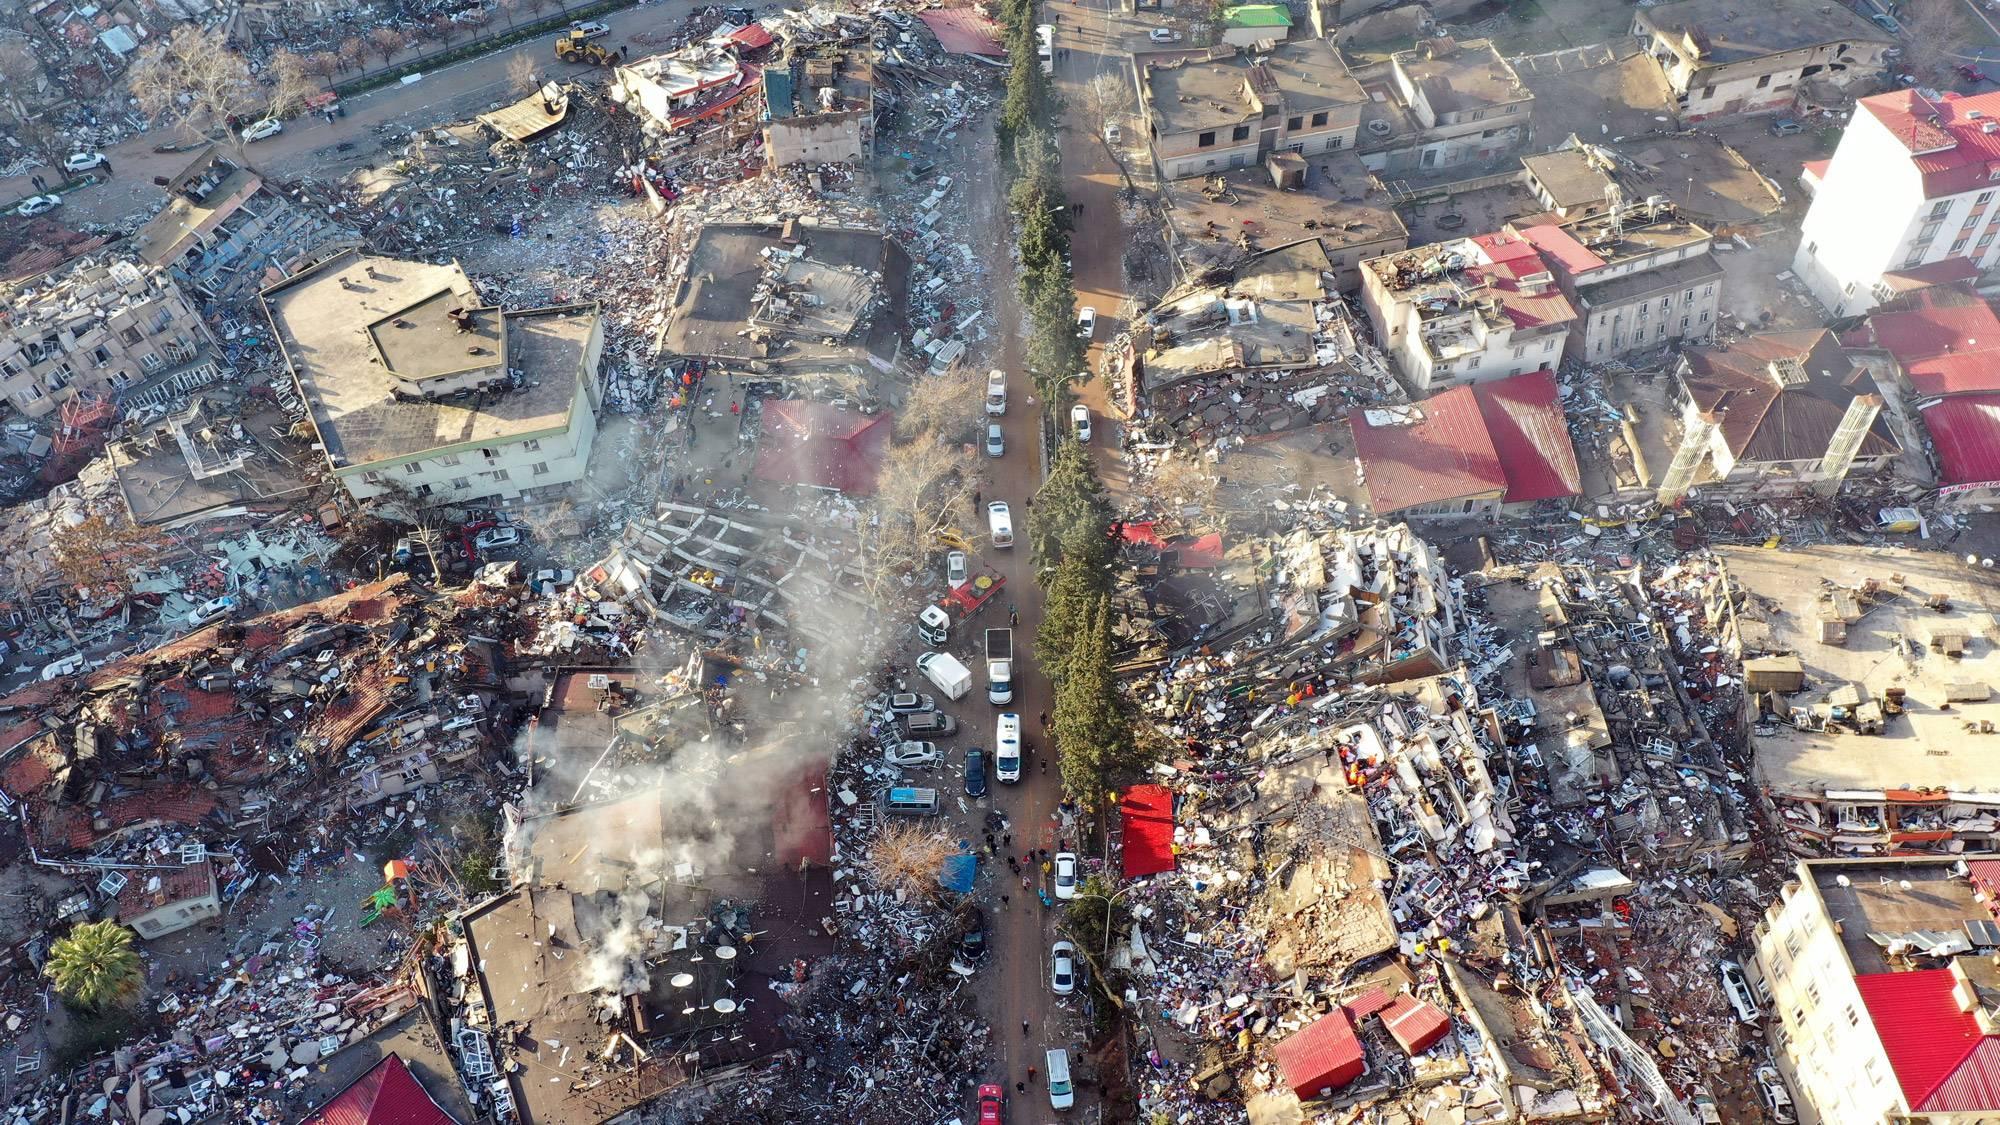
576,47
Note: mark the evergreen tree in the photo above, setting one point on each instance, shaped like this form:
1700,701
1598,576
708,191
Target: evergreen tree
95,967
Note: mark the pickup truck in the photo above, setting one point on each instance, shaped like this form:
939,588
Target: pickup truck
1000,665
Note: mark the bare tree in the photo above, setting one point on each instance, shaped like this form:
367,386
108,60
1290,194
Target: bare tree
522,73
104,550
288,83
386,41
1934,35
923,494
352,53
323,65
548,522
191,81
1108,97
907,857
535,6
947,407
442,28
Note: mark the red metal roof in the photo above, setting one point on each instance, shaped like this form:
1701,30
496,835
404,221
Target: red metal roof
1966,431
815,444
1946,140
751,37
1323,1054
1925,1035
1514,257
1524,421
387,1095
1559,244
1507,435
1445,454
1974,1084
1368,1003
964,31
1416,1024
1946,339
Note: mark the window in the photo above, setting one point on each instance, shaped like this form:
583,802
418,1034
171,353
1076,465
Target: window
151,361
461,483
1510,109
1928,232
541,468
1914,258
499,474
1871,1072
1983,198
102,355
412,469
1812,993
1811,248
532,444
423,490
1853,1017
1549,344
1319,119
1708,290
372,477
1940,209
1334,143
1206,140
1958,244
1764,82
1704,318
1984,240
1520,351
448,460
1707,92
1659,332
1688,297
1685,321
130,335
1666,303
1294,124
1240,133
1473,363
1479,115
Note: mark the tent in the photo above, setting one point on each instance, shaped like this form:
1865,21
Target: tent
1148,812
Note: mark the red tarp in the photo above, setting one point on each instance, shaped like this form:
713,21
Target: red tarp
1197,552
1322,1055
1148,811
387,1095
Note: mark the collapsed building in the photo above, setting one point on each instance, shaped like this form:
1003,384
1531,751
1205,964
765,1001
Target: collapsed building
354,698
226,234
105,325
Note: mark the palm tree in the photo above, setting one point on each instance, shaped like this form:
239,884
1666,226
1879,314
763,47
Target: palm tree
96,967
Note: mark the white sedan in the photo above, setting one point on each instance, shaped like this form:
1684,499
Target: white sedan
910,753
954,569
38,205
1079,421
1086,322
1164,35
1062,968
257,131
504,535
1065,874
84,161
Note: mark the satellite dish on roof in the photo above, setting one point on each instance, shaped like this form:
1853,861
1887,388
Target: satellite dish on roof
725,1005
681,980
725,952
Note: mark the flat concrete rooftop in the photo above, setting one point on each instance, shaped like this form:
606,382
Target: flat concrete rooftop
1888,646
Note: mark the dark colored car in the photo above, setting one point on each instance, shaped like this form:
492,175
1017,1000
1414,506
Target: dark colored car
975,772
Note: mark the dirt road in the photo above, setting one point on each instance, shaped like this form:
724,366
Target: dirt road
312,146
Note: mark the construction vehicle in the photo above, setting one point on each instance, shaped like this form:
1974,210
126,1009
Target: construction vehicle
577,47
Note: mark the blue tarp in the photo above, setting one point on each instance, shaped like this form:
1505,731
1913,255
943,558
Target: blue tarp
957,873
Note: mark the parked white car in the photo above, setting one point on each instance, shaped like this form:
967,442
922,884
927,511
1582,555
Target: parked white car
1164,35
84,161
996,441
38,205
1737,988
996,392
905,754
214,609
1000,523
1065,874
590,29
954,569
1113,134
493,537
1079,421
1777,1099
1086,322
258,130
1062,968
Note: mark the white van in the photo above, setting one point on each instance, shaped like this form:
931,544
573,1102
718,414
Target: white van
1000,522
1061,1094
944,670
996,392
1007,747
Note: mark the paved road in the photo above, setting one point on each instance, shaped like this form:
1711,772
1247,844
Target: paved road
310,146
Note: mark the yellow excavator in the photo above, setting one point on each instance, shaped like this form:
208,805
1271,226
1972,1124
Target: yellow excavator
576,47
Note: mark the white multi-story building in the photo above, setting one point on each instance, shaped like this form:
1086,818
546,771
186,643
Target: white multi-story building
1913,182
1467,310
100,325
1876,978
415,386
